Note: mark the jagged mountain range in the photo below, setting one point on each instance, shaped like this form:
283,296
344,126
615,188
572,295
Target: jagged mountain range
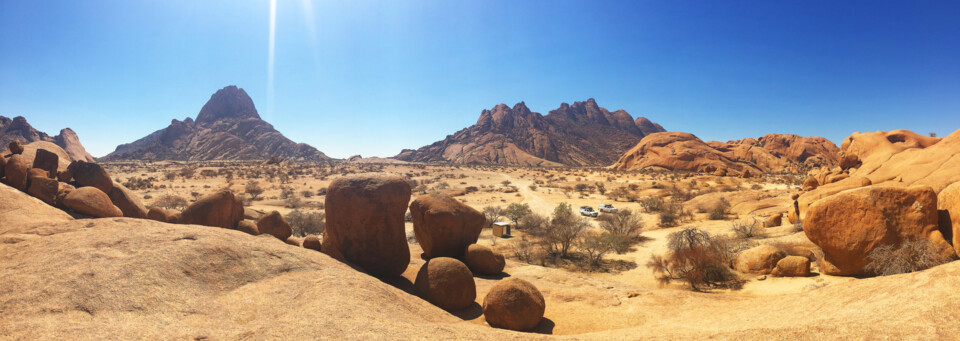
582,134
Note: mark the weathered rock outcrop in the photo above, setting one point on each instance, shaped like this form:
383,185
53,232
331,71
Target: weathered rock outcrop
17,129
582,134
228,127
365,223
759,260
770,153
444,226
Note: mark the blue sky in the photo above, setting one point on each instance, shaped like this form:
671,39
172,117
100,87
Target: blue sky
371,78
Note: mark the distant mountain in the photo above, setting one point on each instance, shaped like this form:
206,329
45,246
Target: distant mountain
228,127
770,153
582,134
18,129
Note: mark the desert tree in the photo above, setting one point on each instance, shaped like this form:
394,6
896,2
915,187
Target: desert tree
625,226
565,227
492,213
517,211
695,257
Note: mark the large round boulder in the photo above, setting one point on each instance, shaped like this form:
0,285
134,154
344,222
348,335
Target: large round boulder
849,225
16,172
948,204
127,201
758,260
444,226
163,215
773,221
365,223
792,266
446,283
221,209
514,304
312,242
810,184
15,148
62,190
483,261
92,202
274,224
88,174
47,161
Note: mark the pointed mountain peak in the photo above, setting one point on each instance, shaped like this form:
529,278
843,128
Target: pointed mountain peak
229,102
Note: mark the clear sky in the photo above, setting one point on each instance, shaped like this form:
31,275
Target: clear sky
371,78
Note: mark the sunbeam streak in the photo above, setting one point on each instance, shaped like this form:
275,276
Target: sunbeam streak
270,52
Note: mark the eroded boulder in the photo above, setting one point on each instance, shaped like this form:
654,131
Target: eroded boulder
483,261
849,225
365,223
274,224
759,260
221,209
127,201
91,201
444,226
16,173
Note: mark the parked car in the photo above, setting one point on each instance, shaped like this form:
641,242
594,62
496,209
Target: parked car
588,211
607,208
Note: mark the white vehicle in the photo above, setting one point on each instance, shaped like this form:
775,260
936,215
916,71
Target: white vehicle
588,211
607,208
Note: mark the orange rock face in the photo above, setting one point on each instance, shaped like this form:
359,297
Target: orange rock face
444,226
906,158
514,304
365,223
770,153
16,172
948,206
850,224
446,283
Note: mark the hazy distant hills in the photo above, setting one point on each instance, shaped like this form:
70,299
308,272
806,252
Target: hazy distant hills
228,127
582,134
17,129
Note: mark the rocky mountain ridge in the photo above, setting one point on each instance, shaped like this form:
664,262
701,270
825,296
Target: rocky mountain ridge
228,127
581,134
17,129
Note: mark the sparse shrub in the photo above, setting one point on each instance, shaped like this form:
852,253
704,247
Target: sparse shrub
720,211
910,256
306,223
746,229
253,188
595,245
652,204
169,201
696,258
533,223
625,226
